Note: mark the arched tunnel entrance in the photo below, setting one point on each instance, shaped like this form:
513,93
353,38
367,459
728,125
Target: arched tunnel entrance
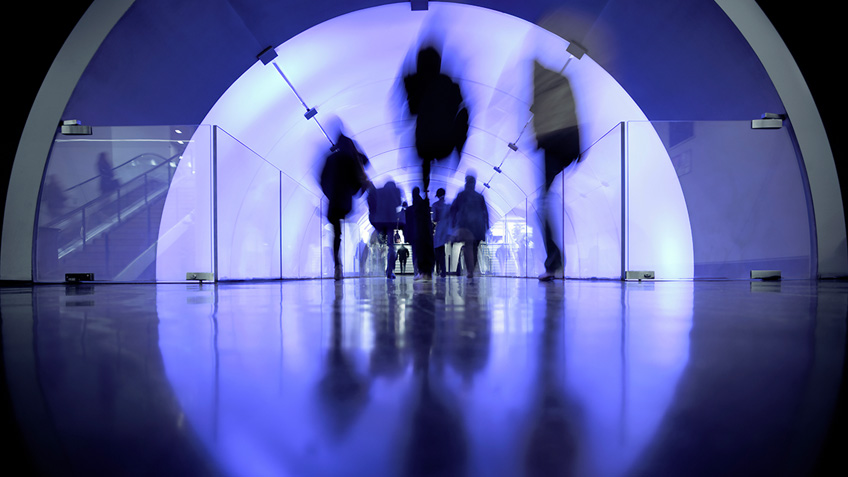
363,55
242,201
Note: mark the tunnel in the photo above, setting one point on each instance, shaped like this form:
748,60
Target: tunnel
177,143
214,120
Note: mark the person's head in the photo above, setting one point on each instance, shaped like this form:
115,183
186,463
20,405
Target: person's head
470,181
429,61
416,192
440,193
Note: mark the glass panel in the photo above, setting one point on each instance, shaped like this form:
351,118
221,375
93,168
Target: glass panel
303,219
185,235
586,201
102,200
716,199
248,213
354,251
517,245
502,246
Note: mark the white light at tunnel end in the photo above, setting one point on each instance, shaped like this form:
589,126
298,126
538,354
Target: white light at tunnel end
356,80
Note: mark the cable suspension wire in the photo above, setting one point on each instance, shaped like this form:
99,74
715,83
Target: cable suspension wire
310,112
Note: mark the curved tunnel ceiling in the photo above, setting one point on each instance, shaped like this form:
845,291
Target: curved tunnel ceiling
166,63
350,68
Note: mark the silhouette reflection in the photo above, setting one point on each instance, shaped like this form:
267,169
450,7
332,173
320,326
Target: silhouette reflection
469,336
370,376
555,438
437,441
342,391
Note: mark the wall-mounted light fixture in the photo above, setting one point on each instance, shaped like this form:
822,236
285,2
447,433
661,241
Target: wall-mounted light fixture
73,127
768,121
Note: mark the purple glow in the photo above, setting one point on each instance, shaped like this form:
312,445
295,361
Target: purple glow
263,113
249,379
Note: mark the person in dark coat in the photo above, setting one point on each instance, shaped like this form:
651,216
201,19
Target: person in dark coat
441,120
384,213
441,236
342,177
558,135
108,183
409,229
470,220
403,256
423,237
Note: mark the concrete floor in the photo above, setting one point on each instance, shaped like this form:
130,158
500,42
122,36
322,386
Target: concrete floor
369,377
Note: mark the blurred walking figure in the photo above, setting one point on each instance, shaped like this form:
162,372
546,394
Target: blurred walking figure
558,135
441,218
441,120
108,183
342,177
384,209
362,256
470,220
403,255
423,232
503,257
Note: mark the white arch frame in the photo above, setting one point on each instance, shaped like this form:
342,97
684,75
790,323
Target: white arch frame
34,146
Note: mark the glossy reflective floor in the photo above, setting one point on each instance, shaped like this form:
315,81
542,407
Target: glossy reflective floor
364,377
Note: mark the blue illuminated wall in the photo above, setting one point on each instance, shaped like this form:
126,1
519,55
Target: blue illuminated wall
183,64
264,109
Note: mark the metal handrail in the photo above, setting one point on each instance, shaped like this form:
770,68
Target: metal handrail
77,210
164,159
122,212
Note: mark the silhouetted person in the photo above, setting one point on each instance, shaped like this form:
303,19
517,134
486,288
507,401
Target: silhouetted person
383,209
558,135
362,256
423,232
503,256
409,230
108,183
436,100
54,196
342,177
441,212
470,220
403,256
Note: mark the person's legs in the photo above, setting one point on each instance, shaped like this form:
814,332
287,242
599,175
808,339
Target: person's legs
336,222
470,250
440,260
424,229
561,149
392,254
553,260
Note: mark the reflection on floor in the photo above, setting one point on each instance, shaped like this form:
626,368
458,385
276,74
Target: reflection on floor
495,377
